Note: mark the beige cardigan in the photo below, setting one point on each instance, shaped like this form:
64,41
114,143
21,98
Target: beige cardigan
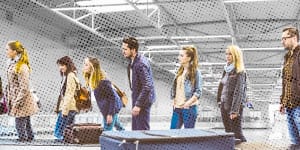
68,102
20,99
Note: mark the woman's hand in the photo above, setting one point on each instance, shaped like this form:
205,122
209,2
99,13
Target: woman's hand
219,104
233,116
173,103
136,110
109,119
186,105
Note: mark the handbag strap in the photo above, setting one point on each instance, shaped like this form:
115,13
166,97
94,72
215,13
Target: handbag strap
118,90
116,87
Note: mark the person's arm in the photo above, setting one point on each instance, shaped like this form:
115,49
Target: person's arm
69,93
281,107
23,79
110,95
197,90
238,94
173,89
1,90
220,88
146,84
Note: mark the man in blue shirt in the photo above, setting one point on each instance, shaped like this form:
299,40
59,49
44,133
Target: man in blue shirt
141,84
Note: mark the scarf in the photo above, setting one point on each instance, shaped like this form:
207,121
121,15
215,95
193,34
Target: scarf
229,67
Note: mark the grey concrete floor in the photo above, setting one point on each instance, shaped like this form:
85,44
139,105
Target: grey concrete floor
257,139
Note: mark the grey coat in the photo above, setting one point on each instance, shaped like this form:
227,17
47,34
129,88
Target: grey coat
235,94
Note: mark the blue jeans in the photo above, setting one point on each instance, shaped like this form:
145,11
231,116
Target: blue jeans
115,123
187,117
62,123
293,120
24,128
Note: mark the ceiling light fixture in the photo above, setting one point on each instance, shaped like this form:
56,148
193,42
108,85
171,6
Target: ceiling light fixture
246,1
263,48
161,47
200,37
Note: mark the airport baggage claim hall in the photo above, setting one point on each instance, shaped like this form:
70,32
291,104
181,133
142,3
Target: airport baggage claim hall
193,52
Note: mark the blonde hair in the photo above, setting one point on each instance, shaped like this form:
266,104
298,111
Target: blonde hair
237,57
190,51
93,78
24,59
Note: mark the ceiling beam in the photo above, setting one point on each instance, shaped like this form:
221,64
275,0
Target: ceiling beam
179,37
153,24
162,8
298,18
148,19
165,2
244,1
215,23
230,20
83,26
168,15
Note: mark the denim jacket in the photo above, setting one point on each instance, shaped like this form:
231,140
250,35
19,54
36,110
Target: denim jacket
189,89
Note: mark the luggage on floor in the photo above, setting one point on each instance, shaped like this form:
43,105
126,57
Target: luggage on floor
83,133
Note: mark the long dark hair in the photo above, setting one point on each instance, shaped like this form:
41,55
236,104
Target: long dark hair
66,60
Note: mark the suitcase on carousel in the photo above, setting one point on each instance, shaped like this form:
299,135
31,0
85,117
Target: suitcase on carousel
83,133
176,139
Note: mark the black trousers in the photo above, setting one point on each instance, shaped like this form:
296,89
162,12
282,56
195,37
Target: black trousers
142,121
233,125
24,128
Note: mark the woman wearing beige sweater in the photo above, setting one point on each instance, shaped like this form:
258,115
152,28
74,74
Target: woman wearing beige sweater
67,105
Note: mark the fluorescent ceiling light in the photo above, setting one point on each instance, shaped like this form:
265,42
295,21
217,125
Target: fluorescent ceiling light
261,84
263,69
265,48
245,1
100,2
105,6
184,37
107,9
200,37
161,47
161,51
210,63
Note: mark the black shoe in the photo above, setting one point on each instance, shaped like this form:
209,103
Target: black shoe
22,140
29,139
25,140
59,140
